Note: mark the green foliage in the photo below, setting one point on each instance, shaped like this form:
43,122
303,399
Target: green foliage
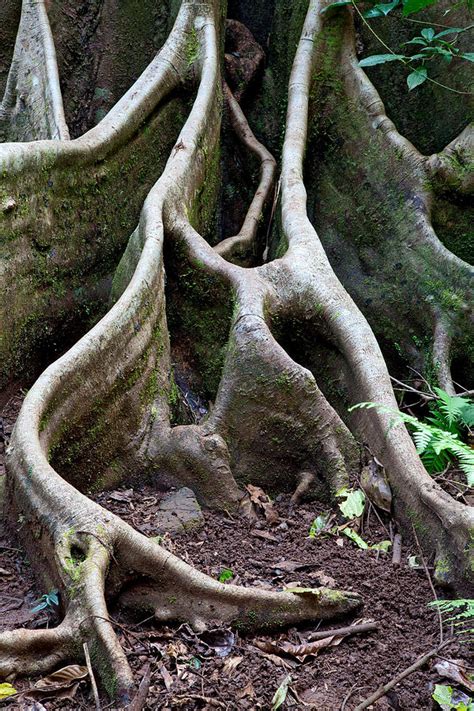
461,613
438,439
281,693
319,525
7,690
353,504
225,575
358,540
430,44
47,601
449,699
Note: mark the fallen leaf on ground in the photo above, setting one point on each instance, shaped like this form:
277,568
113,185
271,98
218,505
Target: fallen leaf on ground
121,495
7,690
323,579
281,693
456,671
374,482
266,535
299,651
62,678
261,501
221,641
166,676
231,664
276,660
248,691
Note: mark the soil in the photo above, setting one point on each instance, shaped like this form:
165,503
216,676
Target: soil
190,671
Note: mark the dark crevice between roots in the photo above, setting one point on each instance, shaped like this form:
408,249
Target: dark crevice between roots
199,313
104,45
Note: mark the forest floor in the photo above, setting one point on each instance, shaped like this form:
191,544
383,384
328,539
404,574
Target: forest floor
222,669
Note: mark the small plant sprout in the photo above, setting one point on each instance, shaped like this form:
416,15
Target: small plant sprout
48,601
225,575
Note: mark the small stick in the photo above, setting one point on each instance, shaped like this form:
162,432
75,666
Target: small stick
397,550
140,699
382,690
350,629
92,677
440,617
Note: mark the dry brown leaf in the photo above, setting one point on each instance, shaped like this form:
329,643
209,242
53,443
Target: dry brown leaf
231,664
62,678
374,482
166,676
278,661
121,495
248,691
257,495
455,670
260,499
323,579
310,649
265,535
299,651
288,566
176,649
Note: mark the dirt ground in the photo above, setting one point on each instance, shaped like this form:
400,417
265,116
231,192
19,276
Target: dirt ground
221,669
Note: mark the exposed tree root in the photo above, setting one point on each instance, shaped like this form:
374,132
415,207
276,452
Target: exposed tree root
81,544
32,107
101,414
241,246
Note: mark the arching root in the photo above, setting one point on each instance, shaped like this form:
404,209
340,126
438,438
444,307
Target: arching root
242,246
32,107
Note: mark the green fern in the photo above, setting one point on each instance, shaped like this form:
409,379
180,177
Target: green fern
461,611
438,440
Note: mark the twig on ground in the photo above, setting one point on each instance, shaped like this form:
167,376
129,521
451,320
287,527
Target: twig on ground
92,677
353,688
382,690
350,629
141,696
428,576
397,550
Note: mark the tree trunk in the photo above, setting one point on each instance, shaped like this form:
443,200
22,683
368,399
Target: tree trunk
281,335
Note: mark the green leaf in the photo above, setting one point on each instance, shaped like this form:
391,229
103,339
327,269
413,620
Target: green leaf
380,59
225,574
280,694
411,6
468,55
7,690
417,77
354,503
319,524
416,40
356,538
382,546
428,33
381,9
449,32
373,12
339,3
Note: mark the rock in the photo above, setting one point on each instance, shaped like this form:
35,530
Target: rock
179,512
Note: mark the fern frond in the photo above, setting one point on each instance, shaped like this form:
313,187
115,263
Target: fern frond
451,406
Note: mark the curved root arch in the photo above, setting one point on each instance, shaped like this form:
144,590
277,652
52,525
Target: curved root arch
266,403
81,543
